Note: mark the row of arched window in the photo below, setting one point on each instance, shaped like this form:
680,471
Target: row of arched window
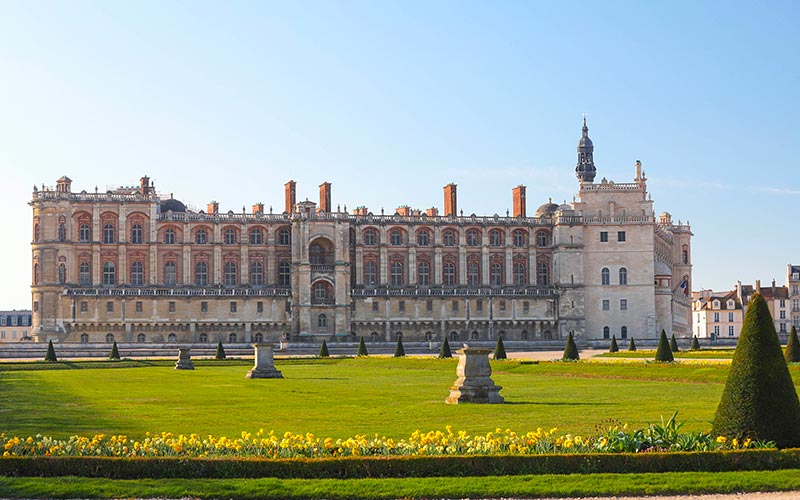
623,332
605,276
497,277
202,338
170,277
230,236
473,335
496,237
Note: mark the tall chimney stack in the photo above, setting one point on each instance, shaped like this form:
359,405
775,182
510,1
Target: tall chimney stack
290,196
144,185
258,208
450,200
519,201
325,197
213,208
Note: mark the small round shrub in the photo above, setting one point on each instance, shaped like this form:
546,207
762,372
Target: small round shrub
323,350
664,353
613,347
500,349
444,351
570,350
362,348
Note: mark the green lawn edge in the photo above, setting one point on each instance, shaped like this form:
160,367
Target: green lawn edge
574,485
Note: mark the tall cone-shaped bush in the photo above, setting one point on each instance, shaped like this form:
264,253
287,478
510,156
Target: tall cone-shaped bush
500,349
792,352
323,350
673,344
695,343
664,353
631,345
399,351
444,352
220,354
570,350
362,348
759,400
114,351
51,353
613,347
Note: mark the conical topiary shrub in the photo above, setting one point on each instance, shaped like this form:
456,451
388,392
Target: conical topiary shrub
323,350
613,347
664,353
114,352
51,353
399,352
570,350
500,349
631,345
695,343
362,348
444,352
792,352
220,354
673,344
759,400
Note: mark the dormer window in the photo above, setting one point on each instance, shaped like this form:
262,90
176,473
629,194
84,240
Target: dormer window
716,304
731,304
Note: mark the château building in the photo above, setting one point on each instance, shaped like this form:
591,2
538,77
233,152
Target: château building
134,266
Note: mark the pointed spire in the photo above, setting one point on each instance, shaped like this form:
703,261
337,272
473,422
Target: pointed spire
585,170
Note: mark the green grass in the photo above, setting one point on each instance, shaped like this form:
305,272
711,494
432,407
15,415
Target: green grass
472,487
343,397
650,354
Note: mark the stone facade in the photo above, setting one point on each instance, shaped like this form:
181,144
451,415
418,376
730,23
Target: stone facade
130,265
15,326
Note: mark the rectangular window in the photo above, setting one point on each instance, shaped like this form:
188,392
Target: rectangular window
35,306
139,306
795,289
620,236
716,317
603,236
375,305
526,306
429,305
730,317
502,305
479,305
730,331
233,307
783,303
783,327
172,306
606,305
109,306
84,306
204,306
455,306
623,304
401,305
782,314
259,307
716,331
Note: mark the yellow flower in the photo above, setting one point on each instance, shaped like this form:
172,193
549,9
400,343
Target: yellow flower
722,439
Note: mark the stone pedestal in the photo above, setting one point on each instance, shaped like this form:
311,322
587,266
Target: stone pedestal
265,364
184,359
474,384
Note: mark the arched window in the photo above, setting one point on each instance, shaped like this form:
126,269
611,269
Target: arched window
370,273
136,233
428,336
397,274
321,293
108,233
542,239
170,273
423,238
36,232
520,274
606,332
523,335
141,338
256,236
605,276
84,274
623,276
496,274
284,237
520,238
137,273
473,274
316,254
232,338
203,338
449,238
62,273
201,274
201,237
36,274
258,338
396,237
542,274
373,336
495,238
474,335
322,321
169,237
172,338
473,238
110,338
423,274
230,236
230,274
284,274
109,274
256,273
623,332
449,274
62,231
84,338
84,233
685,254
453,335
370,238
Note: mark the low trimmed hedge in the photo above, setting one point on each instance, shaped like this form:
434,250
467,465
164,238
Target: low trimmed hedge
398,467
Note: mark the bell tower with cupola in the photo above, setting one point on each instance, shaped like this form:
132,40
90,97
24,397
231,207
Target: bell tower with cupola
585,170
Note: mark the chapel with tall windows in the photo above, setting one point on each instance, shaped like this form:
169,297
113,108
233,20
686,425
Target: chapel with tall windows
132,265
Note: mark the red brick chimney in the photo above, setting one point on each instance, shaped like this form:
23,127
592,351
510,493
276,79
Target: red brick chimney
291,196
258,208
450,200
432,212
519,201
213,208
144,185
325,197
403,211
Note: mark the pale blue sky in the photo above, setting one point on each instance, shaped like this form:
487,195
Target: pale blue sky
391,101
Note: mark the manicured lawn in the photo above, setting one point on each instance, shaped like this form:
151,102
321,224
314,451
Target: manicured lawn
344,397
471,487
650,354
